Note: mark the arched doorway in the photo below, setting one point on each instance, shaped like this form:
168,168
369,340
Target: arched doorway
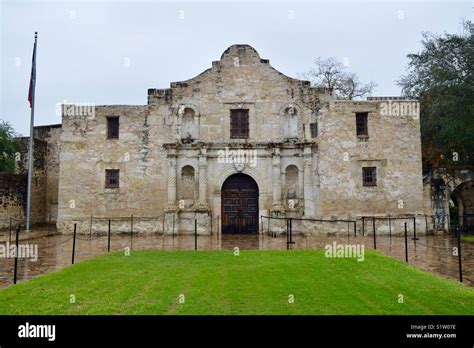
463,199
239,205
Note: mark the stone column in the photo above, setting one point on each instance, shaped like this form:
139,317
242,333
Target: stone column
171,178
299,194
316,194
276,182
308,184
171,223
203,177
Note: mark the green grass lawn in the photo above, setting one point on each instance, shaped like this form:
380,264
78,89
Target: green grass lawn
468,238
256,282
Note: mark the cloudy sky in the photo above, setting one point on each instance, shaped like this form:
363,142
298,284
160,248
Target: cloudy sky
111,52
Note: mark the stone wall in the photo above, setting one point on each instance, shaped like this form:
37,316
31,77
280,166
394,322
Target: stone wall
169,151
13,194
13,187
51,135
393,147
86,153
444,188
38,182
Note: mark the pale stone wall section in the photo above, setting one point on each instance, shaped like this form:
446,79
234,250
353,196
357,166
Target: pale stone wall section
394,147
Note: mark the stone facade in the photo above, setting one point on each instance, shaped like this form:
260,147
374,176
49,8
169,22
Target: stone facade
444,189
12,192
175,153
51,136
44,184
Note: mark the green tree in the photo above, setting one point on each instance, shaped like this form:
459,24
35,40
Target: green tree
441,78
8,147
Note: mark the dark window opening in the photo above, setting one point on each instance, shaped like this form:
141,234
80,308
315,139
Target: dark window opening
361,124
369,176
239,123
314,130
112,127
111,178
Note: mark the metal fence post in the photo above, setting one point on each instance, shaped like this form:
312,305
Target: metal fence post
390,227
459,253
108,243
74,243
163,225
173,226
195,235
291,231
375,235
363,225
414,229
211,222
10,237
406,243
90,227
131,231
15,271
355,229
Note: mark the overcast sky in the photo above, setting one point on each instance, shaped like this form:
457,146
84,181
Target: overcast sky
110,52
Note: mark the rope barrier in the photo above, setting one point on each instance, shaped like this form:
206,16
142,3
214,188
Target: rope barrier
92,238
305,219
433,246
125,218
50,246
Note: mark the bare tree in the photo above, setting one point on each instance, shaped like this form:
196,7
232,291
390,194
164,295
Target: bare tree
351,87
331,73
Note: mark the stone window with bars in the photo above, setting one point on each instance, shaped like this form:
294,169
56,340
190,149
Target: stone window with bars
112,178
369,176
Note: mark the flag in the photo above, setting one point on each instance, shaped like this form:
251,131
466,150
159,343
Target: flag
31,99
33,75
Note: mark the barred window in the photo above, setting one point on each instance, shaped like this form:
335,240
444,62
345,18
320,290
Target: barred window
112,127
361,124
239,123
111,178
369,176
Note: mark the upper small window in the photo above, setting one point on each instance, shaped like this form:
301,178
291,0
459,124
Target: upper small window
112,127
369,176
313,127
239,123
112,178
361,124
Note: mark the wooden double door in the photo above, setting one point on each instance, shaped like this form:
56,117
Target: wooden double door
240,205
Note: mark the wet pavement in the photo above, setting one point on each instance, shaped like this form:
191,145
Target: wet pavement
429,253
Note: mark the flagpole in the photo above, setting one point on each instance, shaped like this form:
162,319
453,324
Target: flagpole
30,149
